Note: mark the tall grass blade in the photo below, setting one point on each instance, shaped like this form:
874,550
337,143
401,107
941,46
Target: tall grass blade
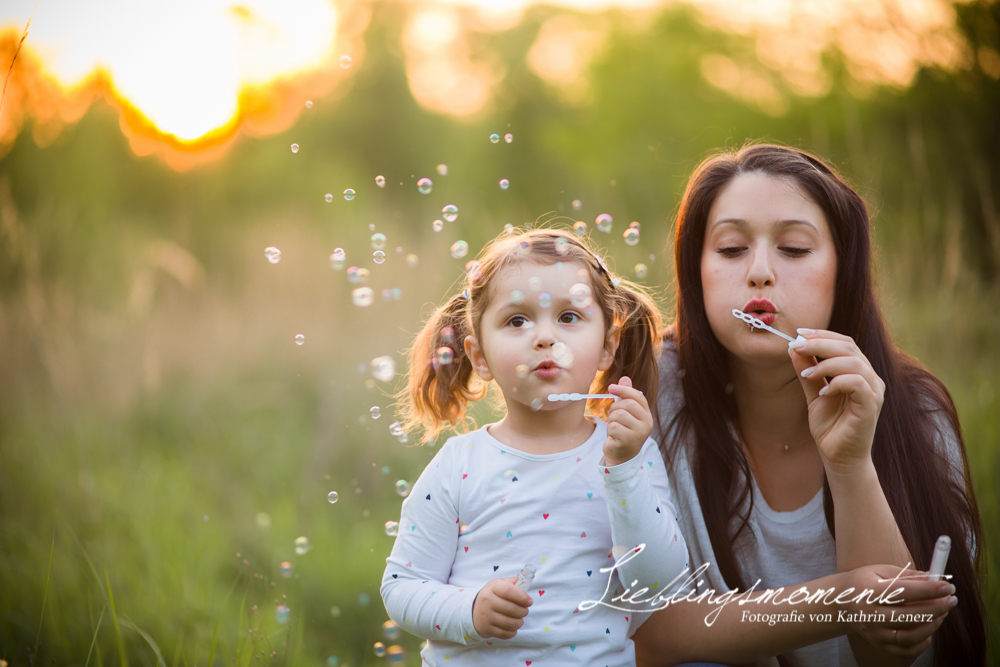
48,576
94,640
129,623
114,617
215,635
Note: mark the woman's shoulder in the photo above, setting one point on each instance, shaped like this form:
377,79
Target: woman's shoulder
671,397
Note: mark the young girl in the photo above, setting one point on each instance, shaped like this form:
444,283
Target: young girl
547,486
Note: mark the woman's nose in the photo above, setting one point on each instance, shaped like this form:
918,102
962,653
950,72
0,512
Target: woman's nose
760,272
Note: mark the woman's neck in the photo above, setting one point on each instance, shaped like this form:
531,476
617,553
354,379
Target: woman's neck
543,431
773,414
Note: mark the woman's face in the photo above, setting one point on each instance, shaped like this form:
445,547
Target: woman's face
768,252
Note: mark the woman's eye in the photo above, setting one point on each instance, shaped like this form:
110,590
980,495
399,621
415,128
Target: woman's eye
795,252
731,251
569,317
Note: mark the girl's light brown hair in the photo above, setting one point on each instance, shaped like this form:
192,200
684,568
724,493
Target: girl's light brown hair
437,394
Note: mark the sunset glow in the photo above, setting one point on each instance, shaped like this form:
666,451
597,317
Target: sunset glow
189,75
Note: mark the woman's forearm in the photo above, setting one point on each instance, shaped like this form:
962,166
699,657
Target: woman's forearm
689,631
867,533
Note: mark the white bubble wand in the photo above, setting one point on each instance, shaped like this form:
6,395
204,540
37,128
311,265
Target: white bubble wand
759,324
555,398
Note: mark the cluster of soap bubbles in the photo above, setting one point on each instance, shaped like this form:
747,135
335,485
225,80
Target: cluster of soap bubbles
632,233
393,294
302,545
396,430
357,275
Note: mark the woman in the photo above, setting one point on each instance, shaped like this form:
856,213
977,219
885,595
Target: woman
760,435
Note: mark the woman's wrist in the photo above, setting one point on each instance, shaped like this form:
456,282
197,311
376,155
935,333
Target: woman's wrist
853,477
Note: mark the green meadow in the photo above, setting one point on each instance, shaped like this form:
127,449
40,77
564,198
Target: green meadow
164,441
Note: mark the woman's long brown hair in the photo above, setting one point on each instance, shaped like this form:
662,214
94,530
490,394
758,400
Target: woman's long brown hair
927,496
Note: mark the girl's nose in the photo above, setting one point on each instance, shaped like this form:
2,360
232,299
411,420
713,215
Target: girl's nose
544,335
760,272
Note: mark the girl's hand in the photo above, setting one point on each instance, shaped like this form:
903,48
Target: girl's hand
629,423
843,412
499,608
901,638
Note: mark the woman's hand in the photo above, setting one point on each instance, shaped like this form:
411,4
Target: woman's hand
499,608
629,423
844,411
916,611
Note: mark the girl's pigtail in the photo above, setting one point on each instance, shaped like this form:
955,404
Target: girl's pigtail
440,383
638,347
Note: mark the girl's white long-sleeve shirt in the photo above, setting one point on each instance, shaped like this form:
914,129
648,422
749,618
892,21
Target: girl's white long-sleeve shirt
482,510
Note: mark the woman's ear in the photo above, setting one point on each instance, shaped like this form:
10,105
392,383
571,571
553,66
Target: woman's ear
475,354
610,347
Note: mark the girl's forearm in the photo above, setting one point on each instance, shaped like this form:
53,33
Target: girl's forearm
741,630
867,533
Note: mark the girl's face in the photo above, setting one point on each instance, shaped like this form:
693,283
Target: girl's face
768,252
542,333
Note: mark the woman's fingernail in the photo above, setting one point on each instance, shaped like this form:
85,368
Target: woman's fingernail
807,372
824,390
952,601
797,343
947,589
805,332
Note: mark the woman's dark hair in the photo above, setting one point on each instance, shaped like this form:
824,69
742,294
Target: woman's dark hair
927,494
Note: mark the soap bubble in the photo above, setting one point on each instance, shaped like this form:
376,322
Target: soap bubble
397,655
333,497
357,276
562,246
402,489
328,197
580,295
517,297
450,212
437,225
562,354
380,181
375,412
474,270
580,227
523,247
263,519
395,429
383,368
603,222
385,469
544,300
285,569
442,170
363,296
640,270
378,256
631,236
634,225
335,612
378,241
273,254
403,438
522,371
302,545
281,614
299,339
459,249
386,293
534,283
337,259
444,356
348,194
333,661
390,631
447,334
508,137
345,61
364,599
536,404
494,138
392,528
309,104
424,186
412,261
504,184
508,228
577,204
295,148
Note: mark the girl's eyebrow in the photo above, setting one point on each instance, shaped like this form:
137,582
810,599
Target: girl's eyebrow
743,224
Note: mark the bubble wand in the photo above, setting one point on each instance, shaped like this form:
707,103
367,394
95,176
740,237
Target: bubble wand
555,398
758,324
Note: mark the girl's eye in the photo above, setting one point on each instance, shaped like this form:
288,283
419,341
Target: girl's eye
517,321
731,251
795,252
569,317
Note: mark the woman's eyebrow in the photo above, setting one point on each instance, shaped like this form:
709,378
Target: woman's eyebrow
743,224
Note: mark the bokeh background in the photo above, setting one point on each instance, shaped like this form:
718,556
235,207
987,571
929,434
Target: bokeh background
164,440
